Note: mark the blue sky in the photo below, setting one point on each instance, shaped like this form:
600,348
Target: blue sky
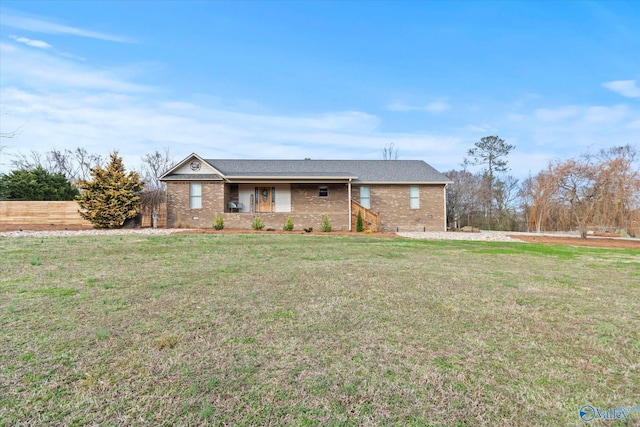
324,79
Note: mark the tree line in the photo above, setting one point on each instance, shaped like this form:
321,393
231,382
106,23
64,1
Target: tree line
590,192
598,192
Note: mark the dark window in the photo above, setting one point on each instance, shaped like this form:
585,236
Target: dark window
323,192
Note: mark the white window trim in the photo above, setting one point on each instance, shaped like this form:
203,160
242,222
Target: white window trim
193,198
414,197
366,205
323,188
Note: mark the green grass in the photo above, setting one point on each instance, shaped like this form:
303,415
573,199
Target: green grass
314,330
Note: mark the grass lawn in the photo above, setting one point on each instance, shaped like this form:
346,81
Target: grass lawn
314,330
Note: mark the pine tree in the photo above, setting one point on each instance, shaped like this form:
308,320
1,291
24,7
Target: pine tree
112,196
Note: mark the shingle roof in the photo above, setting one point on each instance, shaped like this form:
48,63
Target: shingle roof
366,171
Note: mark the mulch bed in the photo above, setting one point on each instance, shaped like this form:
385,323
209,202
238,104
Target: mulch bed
594,242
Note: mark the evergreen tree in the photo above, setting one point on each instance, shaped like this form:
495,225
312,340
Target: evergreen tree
36,185
490,152
359,222
112,196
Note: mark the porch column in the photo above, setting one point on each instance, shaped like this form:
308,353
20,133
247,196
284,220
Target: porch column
349,186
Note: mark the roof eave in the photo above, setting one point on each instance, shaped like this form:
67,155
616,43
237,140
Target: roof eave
403,182
290,178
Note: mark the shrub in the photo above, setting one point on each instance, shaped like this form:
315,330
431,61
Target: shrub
288,224
219,223
359,222
258,223
326,224
36,184
112,196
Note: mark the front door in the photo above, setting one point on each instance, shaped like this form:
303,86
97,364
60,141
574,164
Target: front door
265,199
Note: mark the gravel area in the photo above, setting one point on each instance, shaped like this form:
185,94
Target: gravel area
485,236
493,236
119,232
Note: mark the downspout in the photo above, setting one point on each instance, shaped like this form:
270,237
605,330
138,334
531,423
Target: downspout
444,192
349,185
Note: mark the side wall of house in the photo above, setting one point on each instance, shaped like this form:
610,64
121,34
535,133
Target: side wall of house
179,213
392,203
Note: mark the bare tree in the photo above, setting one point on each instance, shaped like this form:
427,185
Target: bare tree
506,194
75,165
153,166
390,152
539,195
463,202
578,185
11,134
28,162
85,163
60,162
618,174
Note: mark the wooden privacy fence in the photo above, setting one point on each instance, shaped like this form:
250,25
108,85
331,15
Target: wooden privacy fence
62,213
54,213
371,219
147,216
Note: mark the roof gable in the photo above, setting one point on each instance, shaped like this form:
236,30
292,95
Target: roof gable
192,167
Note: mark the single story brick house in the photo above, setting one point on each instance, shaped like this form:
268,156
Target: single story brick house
392,195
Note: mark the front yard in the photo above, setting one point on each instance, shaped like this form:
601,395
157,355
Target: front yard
314,330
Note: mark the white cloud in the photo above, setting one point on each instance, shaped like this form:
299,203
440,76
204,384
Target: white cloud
103,122
626,88
433,107
554,114
399,106
39,69
40,25
605,114
436,107
29,42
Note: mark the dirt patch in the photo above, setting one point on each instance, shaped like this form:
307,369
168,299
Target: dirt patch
595,242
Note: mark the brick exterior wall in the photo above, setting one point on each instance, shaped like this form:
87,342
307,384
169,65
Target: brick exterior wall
179,214
307,208
392,203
